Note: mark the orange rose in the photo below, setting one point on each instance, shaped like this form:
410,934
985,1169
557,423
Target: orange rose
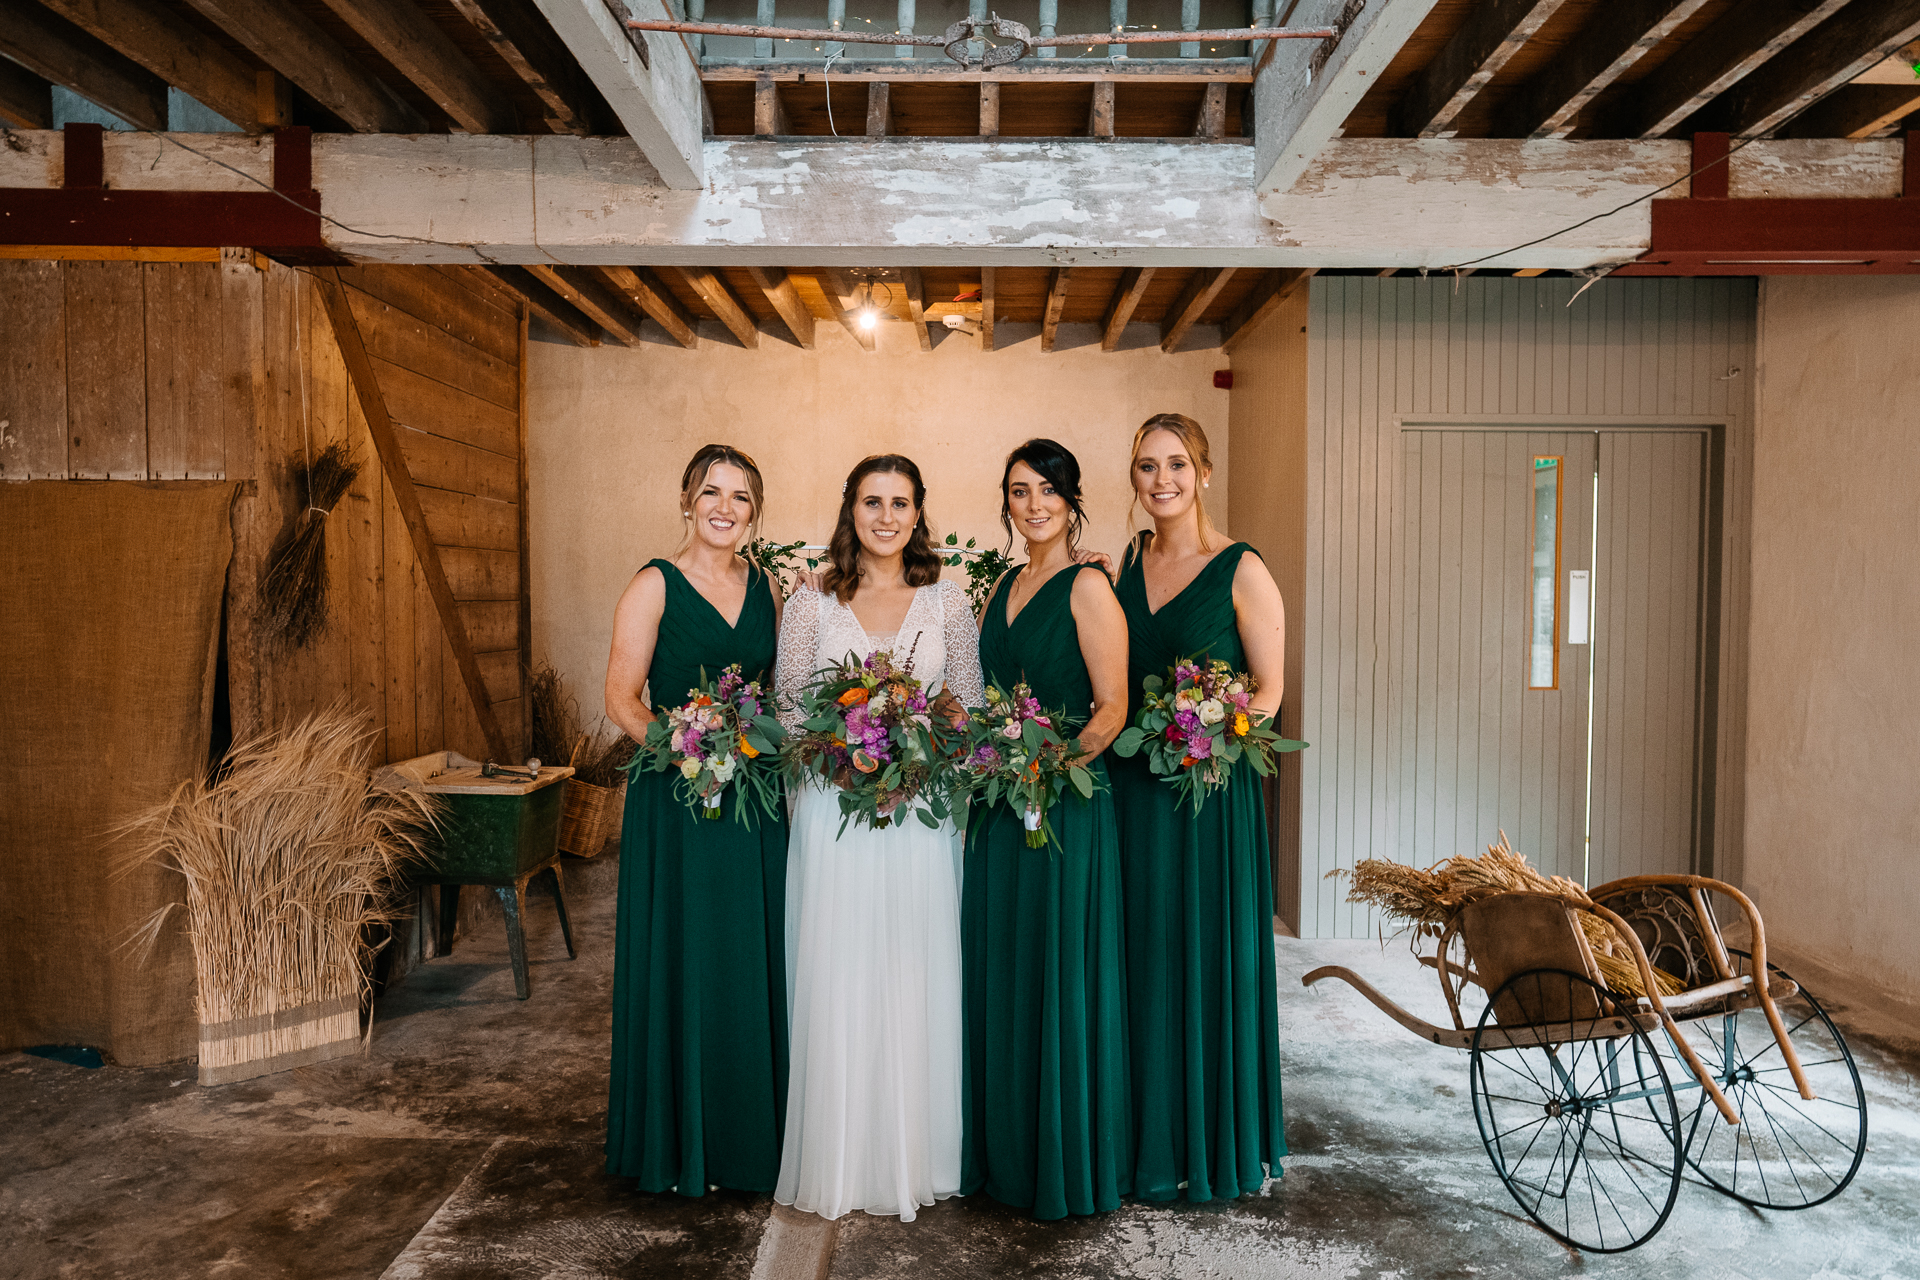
746,749
1240,724
854,696
1187,762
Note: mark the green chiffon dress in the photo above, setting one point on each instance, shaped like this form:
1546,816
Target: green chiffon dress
1204,1016
1045,1122
699,1088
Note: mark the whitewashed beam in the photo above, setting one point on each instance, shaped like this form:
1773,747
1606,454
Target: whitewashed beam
660,101
1304,92
1367,202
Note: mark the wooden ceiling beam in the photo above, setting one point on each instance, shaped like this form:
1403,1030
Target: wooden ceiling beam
1273,288
649,78
641,287
57,51
1056,303
26,99
840,291
1845,45
1493,33
424,54
1126,297
1725,50
528,46
546,304
288,41
174,50
986,308
917,305
587,290
1617,36
1199,294
786,303
714,292
1856,111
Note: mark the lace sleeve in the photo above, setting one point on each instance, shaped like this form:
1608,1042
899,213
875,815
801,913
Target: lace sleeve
962,637
799,654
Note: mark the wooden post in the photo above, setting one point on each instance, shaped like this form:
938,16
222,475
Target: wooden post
769,114
1212,119
989,109
526,557
879,108
393,463
1100,118
986,308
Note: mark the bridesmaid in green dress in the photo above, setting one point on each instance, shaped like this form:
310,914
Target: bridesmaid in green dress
1204,1022
1046,1125
699,1085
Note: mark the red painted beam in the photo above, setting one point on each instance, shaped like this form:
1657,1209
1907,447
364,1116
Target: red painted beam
1782,237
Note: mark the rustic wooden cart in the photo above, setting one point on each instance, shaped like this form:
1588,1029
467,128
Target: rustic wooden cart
1591,1101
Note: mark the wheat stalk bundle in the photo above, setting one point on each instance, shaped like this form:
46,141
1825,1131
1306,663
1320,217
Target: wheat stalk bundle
289,852
296,583
1428,900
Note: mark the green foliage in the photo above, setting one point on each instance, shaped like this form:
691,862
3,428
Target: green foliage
781,561
984,568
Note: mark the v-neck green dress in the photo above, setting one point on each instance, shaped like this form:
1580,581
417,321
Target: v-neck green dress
699,1088
1046,1108
1205,1022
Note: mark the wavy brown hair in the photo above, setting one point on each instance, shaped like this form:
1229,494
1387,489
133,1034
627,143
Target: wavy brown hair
920,561
704,461
1194,438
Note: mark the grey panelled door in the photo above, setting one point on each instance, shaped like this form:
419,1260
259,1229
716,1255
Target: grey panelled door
1480,751
1647,653
1499,687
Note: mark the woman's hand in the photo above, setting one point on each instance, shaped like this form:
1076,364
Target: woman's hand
811,579
1101,558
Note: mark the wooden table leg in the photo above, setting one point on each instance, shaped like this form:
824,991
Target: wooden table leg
560,905
513,901
449,916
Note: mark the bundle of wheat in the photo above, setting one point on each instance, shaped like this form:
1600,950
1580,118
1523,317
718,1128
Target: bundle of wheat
290,852
1428,900
296,582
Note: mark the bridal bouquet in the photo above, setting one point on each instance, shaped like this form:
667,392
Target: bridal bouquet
724,733
1014,752
1197,723
875,732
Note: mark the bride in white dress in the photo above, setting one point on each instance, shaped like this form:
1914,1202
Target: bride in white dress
873,917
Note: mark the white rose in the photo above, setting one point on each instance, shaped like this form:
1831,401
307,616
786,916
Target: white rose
1236,687
877,703
1011,731
689,769
1211,712
723,772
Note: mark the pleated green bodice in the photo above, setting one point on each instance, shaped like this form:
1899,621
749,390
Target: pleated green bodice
698,1090
1198,622
1040,647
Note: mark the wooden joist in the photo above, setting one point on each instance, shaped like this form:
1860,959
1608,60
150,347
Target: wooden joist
26,99
769,113
786,303
56,50
1199,294
1845,45
546,304
986,308
1211,120
641,287
289,42
1724,51
840,291
917,305
175,51
1126,297
1100,115
1493,33
1056,303
1856,111
989,109
424,54
879,108
528,46
714,292
393,464
1273,288
1612,41
589,291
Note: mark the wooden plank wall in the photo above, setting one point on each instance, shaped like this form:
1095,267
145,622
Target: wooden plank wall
1496,350
169,371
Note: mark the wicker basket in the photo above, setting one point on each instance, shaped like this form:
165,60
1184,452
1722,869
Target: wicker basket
590,816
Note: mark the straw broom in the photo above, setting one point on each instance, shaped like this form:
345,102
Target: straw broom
289,852
1428,900
295,587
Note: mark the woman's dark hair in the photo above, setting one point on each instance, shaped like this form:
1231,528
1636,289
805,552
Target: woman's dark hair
695,476
920,561
1058,467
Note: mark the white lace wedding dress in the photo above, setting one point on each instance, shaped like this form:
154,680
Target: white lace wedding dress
873,949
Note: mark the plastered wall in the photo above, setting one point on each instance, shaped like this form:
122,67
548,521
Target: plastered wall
611,428
1833,746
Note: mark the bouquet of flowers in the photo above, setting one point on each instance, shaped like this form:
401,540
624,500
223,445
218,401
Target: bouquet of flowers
724,733
1014,752
875,732
1196,724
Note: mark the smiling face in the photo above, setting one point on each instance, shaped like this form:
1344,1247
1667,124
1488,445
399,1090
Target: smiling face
722,507
884,514
1165,477
1039,512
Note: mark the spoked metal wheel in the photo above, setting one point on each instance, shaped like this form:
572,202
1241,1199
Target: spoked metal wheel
1786,1152
1583,1131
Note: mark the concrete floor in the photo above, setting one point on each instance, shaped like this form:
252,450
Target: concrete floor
466,1143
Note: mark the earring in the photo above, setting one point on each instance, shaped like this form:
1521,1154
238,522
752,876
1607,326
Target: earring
1206,484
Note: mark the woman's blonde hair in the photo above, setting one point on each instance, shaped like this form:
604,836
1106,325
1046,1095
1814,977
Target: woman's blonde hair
1194,438
695,476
